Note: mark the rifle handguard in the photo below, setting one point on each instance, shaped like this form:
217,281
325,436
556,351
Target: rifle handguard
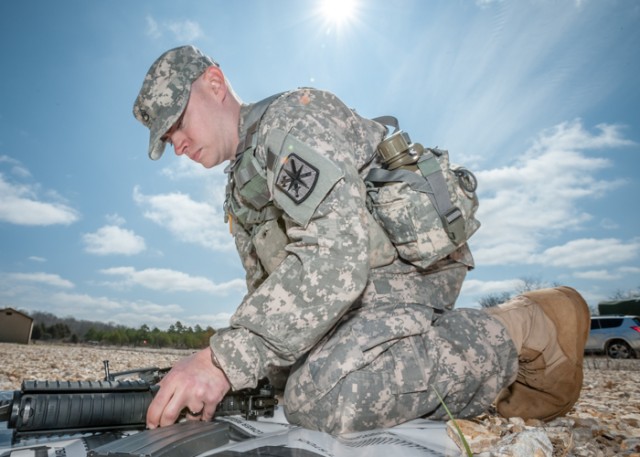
72,406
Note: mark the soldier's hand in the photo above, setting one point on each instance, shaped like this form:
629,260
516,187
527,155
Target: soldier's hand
193,385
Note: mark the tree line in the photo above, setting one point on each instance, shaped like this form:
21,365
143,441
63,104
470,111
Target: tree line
48,327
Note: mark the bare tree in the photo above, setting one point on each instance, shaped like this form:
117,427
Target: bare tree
527,284
493,299
620,294
530,283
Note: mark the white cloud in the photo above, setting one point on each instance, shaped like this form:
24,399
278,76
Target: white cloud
111,239
103,309
538,197
145,307
35,258
476,287
115,219
609,224
83,301
42,278
572,135
589,252
486,3
17,169
183,31
218,320
153,30
188,220
596,275
172,281
187,169
629,270
20,205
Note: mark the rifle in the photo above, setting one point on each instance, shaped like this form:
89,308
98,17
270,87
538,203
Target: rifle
113,404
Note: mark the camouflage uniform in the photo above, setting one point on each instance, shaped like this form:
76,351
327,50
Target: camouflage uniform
368,338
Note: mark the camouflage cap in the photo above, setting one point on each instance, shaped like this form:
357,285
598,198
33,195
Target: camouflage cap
165,92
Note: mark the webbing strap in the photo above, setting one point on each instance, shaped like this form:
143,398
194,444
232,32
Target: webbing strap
430,169
450,215
433,184
388,120
382,175
252,121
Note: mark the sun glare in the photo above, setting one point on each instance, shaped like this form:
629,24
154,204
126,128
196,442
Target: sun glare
338,11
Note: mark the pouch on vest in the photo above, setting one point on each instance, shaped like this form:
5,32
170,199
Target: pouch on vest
426,207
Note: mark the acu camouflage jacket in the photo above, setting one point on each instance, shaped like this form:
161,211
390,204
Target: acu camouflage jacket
297,207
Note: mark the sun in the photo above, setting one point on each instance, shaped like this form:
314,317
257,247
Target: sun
338,12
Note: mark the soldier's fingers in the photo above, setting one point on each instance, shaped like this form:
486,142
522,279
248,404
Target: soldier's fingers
172,410
157,406
208,411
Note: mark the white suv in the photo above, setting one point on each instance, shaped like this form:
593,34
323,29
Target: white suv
616,336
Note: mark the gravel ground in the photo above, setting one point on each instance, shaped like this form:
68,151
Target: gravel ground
20,362
604,422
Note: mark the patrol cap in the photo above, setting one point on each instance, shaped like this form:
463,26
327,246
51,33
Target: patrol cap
165,92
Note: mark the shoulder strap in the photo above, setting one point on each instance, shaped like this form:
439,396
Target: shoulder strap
248,140
253,121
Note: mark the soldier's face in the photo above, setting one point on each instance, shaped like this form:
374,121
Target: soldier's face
207,131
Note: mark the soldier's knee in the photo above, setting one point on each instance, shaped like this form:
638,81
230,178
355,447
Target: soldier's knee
351,405
307,409
325,411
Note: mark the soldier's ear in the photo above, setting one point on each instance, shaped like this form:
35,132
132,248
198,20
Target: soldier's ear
214,79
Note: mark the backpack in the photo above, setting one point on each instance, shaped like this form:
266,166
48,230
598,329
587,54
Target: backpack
425,205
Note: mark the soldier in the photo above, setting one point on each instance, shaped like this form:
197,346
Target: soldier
367,339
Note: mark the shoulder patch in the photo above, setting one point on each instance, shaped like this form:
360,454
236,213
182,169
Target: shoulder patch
297,178
302,178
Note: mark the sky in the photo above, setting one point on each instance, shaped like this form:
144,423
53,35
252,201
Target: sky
539,98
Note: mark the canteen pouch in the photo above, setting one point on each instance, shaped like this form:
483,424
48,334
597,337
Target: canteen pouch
427,208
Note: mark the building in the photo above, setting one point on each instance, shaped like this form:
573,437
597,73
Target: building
15,327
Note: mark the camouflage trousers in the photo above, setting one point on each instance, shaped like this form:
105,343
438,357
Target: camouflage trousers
384,362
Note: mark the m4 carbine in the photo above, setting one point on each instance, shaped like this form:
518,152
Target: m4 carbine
68,407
